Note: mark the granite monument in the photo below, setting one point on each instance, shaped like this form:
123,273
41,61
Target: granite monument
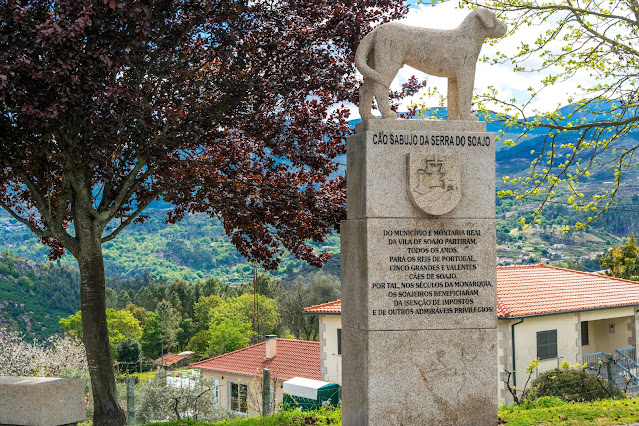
445,53
418,272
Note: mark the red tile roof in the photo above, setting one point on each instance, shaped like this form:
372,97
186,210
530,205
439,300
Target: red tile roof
334,307
295,358
542,289
169,359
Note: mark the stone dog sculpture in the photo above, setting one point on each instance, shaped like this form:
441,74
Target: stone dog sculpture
443,53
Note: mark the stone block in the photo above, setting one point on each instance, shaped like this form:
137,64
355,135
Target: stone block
420,377
419,311
378,183
41,401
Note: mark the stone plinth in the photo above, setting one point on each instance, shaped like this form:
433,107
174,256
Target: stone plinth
41,401
419,311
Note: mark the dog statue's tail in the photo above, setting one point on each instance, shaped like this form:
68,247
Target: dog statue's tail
361,58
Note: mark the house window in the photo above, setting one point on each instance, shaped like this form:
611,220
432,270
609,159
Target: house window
238,398
215,388
339,341
585,341
547,344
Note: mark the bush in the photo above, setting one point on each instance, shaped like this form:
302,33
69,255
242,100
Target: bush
569,384
129,353
193,399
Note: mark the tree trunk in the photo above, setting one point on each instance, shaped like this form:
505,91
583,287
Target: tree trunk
95,334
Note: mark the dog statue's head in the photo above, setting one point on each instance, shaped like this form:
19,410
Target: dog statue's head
495,28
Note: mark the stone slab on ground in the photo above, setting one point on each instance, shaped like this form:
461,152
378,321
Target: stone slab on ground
41,401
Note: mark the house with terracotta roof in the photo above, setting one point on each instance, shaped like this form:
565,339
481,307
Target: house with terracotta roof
543,312
173,360
238,375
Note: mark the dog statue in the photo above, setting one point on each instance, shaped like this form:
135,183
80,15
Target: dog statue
443,53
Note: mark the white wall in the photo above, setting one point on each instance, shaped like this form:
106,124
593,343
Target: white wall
254,389
331,360
569,346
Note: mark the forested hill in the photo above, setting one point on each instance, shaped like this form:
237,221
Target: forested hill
35,295
196,247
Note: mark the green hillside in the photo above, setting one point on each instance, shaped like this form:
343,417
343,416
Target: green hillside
196,247
34,296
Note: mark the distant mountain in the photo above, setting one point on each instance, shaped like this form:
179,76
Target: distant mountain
197,247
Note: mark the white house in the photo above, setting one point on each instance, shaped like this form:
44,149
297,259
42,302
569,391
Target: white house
543,312
238,375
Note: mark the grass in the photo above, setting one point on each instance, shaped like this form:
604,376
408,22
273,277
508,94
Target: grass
321,417
544,411
552,411
144,376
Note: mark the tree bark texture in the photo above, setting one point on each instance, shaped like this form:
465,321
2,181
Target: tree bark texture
107,409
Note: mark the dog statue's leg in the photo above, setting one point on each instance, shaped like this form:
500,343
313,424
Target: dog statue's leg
453,99
383,104
465,84
389,60
366,99
366,91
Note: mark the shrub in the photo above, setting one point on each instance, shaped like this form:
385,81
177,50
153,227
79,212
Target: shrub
25,282
543,402
20,357
5,269
192,399
129,352
569,384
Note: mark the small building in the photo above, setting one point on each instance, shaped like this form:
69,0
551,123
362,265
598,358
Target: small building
238,375
543,312
173,360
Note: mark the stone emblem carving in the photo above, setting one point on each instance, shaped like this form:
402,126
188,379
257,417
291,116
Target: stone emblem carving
434,182
443,53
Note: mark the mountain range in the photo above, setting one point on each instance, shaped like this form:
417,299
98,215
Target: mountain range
35,292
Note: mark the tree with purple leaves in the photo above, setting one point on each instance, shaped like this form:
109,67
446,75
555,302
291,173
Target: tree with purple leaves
218,107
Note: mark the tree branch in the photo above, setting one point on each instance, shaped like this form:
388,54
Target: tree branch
600,36
634,5
83,191
106,212
132,217
558,8
16,216
38,199
590,125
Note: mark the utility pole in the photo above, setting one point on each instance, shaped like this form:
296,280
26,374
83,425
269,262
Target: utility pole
256,304
162,352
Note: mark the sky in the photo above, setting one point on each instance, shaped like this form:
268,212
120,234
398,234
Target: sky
510,84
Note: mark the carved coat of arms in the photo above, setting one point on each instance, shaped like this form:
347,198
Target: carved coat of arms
434,182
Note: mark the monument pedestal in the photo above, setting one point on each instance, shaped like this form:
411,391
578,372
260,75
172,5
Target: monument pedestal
419,311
